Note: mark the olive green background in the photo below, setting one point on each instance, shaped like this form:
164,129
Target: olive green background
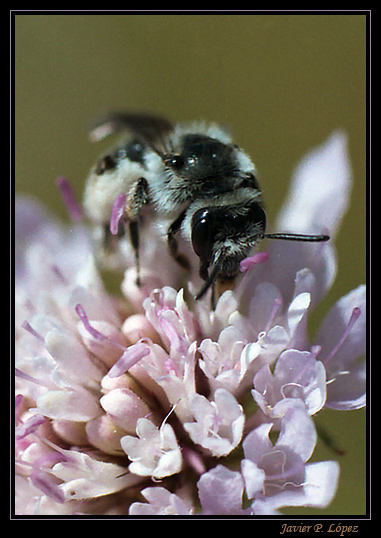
282,82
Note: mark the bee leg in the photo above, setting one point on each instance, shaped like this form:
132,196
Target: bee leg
134,237
106,236
204,274
136,199
210,280
108,241
213,301
172,243
203,271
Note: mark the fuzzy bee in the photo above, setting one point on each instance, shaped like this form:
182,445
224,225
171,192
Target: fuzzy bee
192,176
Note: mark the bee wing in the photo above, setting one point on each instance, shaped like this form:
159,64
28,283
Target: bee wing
150,129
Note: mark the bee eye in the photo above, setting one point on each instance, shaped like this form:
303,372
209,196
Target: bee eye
174,161
202,234
104,164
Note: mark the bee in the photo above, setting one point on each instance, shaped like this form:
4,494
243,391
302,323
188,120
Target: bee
195,177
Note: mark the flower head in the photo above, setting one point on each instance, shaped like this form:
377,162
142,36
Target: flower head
150,404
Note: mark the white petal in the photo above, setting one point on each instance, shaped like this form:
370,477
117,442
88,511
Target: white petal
321,483
161,502
318,489
86,477
220,491
300,369
297,431
257,443
297,310
77,405
146,429
72,357
125,408
170,463
254,477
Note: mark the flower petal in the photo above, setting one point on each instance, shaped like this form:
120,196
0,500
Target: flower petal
342,344
297,430
297,374
254,478
85,477
78,405
320,189
220,491
155,453
219,424
160,502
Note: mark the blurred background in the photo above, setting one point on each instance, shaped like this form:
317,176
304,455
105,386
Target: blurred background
282,82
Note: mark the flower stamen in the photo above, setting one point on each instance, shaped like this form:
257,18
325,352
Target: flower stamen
19,373
130,357
273,313
354,316
25,325
74,209
117,213
94,332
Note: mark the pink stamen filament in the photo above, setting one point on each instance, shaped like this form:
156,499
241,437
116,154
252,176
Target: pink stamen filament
94,333
354,316
131,355
74,209
25,325
19,398
248,263
117,213
27,377
273,313
45,483
30,426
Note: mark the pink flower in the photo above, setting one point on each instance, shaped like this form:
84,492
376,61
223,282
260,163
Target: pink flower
137,398
278,475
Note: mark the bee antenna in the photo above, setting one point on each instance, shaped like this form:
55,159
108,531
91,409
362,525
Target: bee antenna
296,237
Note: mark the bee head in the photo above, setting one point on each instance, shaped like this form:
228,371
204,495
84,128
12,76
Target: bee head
222,236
